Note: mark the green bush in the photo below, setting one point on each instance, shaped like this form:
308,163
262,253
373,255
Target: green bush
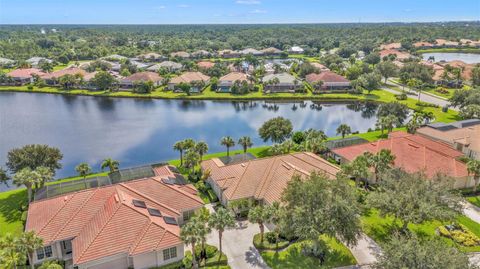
460,234
425,104
211,194
266,245
211,251
402,96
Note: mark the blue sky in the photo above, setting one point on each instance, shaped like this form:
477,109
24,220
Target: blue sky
233,11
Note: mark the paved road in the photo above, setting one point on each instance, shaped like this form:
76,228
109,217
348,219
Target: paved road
238,245
423,96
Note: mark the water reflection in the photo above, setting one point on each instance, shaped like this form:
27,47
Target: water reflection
137,131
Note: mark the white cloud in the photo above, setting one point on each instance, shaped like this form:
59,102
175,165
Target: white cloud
160,7
258,11
183,6
248,2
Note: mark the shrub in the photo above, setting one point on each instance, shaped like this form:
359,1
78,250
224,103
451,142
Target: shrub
445,109
425,104
211,251
266,245
402,96
441,90
271,238
30,87
460,234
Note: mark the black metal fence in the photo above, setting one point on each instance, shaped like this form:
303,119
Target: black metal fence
116,177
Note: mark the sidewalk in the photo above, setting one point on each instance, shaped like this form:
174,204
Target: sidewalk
365,251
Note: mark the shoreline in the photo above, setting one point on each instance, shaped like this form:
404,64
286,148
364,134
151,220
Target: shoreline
331,97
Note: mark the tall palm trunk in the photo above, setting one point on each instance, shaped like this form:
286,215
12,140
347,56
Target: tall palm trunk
220,234
194,257
262,230
181,157
30,256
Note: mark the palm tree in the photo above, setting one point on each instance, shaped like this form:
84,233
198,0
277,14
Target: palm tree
203,216
190,236
180,147
201,148
275,216
191,159
10,254
288,145
4,176
380,162
111,164
84,170
228,142
220,221
358,169
344,130
44,174
473,168
259,215
28,243
245,142
27,178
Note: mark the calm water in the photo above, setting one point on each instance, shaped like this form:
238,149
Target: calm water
133,131
469,58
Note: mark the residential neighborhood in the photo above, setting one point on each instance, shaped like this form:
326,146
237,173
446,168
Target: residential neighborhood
239,135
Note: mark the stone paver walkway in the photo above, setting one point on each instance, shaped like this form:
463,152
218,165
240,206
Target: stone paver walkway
238,245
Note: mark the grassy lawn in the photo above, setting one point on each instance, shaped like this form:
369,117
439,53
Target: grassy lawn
376,95
292,258
475,200
379,229
11,204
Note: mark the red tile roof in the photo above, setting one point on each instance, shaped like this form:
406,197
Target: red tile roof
25,73
234,76
95,217
190,77
413,153
66,71
205,65
326,76
400,55
265,179
144,76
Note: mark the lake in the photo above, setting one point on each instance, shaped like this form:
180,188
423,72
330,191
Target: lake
469,58
140,131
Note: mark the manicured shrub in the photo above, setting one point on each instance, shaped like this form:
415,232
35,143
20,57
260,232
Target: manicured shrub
460,234
402,96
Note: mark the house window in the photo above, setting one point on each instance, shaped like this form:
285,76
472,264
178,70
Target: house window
169,253
45,252
40,254
48,251
187,215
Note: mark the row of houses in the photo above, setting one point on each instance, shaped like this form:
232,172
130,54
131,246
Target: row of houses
136,224
435,149
274,82
437,43
443,43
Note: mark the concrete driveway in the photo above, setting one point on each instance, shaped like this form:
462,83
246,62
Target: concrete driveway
238,245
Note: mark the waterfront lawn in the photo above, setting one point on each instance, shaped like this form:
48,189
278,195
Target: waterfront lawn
292,257
376,95
380,228
12,204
